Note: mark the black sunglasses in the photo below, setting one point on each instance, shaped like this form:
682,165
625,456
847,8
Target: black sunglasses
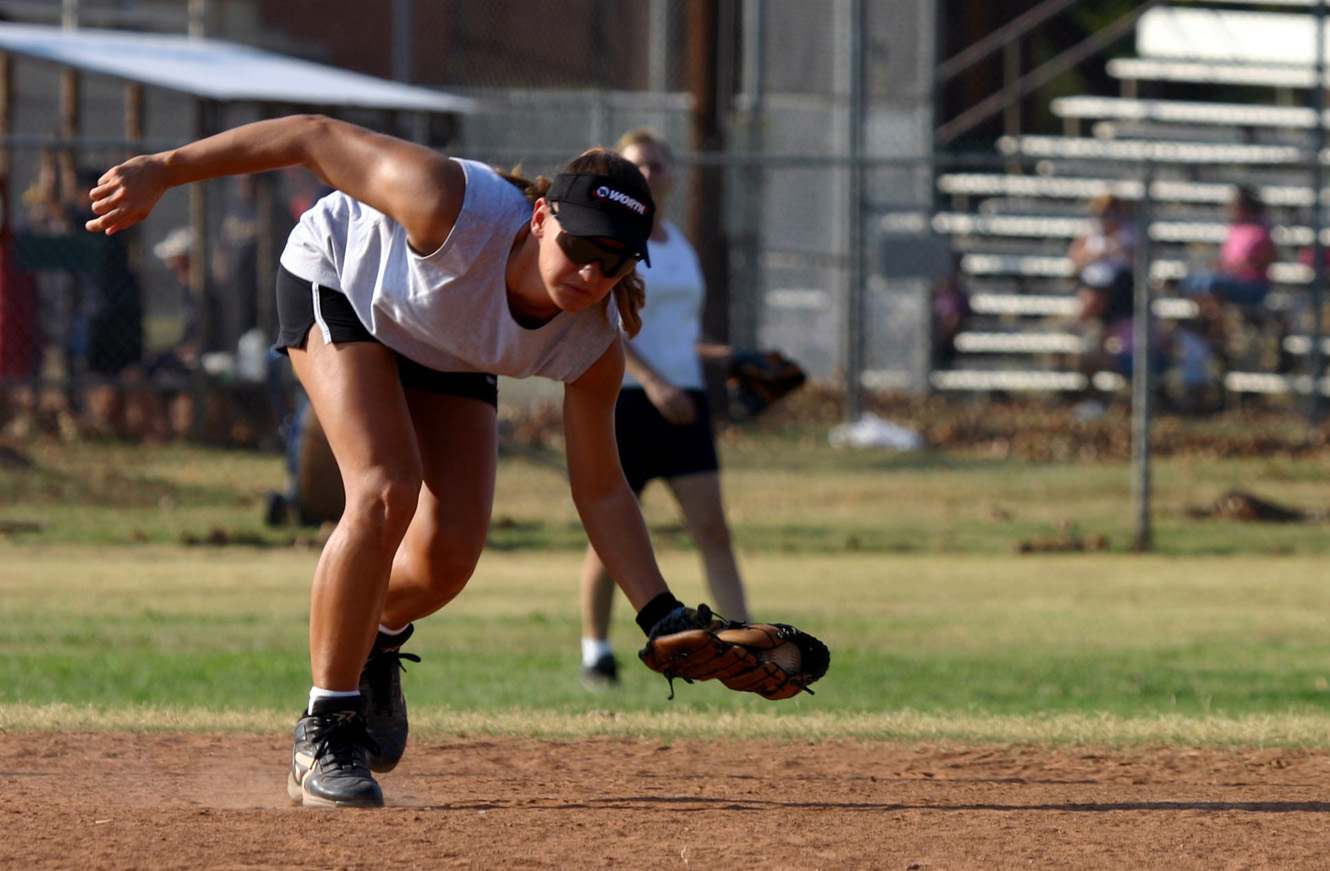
614,263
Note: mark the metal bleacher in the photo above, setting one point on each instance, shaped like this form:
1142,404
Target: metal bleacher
962,185
1012,227
1133,70
1220,46
1238,116
1154,151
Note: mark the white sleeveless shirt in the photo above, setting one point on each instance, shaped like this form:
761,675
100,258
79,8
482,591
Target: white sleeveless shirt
447,310
672,316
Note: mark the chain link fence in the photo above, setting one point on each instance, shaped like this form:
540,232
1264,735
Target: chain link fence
846,163
780,181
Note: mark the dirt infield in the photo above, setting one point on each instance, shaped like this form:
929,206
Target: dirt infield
157,801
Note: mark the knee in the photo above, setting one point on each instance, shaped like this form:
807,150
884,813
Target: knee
383,499
446,564
453,557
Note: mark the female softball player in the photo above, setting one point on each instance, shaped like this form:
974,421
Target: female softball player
401,296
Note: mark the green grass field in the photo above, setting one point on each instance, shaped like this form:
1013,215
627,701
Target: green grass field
906,565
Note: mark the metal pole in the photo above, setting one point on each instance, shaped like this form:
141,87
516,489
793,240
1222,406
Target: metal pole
658,60
1011,75
401,40
707,186
266,243
658,46
1142,366
76,370
1316,358
745,301
6,127
854,304
198,14
134,103
198,275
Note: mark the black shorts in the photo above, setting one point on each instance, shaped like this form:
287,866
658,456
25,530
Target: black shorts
295,318
652,447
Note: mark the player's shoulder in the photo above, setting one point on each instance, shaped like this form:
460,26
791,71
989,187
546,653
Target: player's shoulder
487,193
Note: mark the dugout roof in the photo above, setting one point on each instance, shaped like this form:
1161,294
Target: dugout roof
215,70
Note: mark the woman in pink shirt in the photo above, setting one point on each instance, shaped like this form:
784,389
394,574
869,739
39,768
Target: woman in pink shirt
1240,277
1241,274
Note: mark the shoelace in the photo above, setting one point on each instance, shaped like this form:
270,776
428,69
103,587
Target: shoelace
336,738
381,658
384,664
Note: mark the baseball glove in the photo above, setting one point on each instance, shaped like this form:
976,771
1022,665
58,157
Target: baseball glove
774,660
756,379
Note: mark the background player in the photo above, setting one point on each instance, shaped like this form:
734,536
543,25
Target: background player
663,423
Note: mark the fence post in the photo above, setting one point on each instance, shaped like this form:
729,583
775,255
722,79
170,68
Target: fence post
854,308
1316,357
1142,366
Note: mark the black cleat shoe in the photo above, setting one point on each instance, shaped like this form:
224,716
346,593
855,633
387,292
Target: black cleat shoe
381,685
328,764
603,675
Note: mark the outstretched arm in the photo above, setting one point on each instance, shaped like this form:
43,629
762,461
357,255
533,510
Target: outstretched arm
415,185
609,511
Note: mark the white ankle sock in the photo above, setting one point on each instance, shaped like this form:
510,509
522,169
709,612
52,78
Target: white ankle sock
316,693
593,649
386,631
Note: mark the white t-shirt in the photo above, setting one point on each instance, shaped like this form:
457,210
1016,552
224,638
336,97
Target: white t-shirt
447,310
1113,255
672,316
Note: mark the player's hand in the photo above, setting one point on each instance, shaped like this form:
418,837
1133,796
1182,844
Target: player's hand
126,194
675,405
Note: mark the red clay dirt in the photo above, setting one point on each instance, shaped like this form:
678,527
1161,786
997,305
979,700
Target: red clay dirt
166,800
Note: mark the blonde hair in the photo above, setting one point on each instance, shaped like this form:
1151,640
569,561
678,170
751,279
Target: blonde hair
1107,204
644,136
630,292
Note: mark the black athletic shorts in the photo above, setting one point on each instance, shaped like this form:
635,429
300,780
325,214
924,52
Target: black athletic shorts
295,318
652,447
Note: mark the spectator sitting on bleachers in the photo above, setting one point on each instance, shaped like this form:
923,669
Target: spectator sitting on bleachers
1238,277
951,313
1104,260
